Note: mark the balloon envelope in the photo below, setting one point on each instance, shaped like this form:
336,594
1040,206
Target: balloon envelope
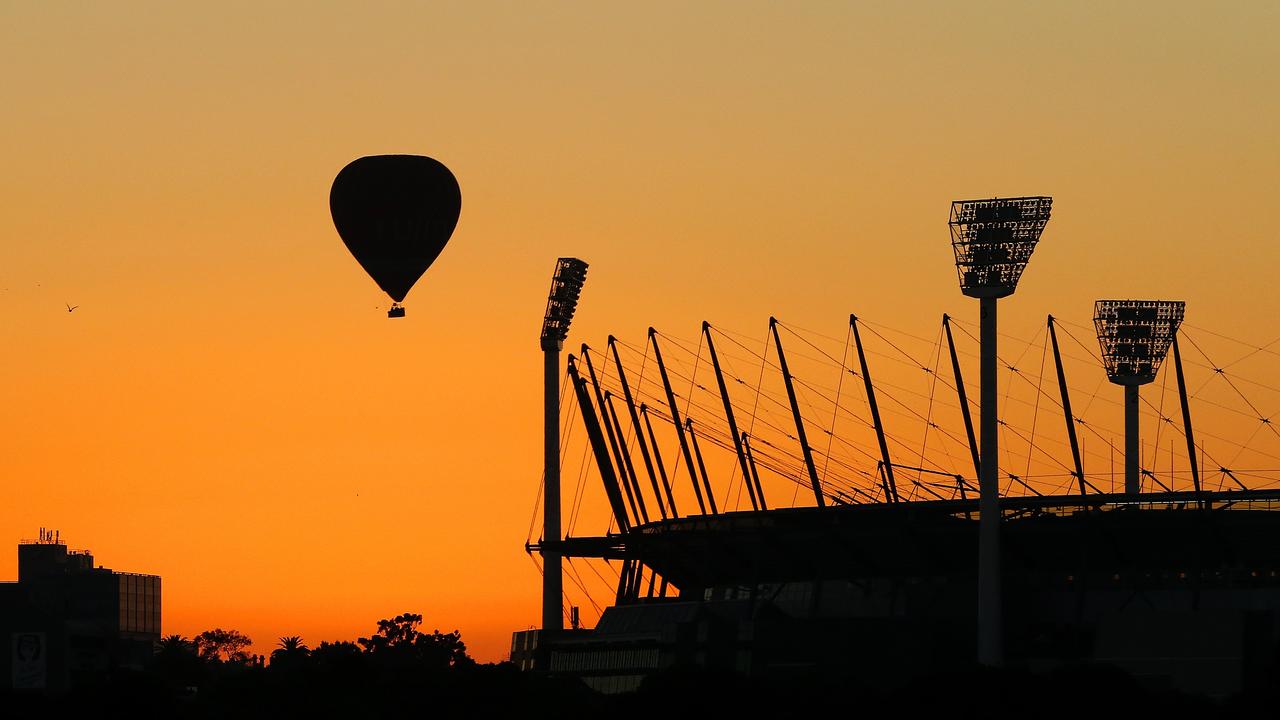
395,213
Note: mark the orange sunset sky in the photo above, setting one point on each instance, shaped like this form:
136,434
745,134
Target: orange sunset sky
229,406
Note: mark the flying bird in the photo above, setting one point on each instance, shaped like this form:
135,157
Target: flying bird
71,308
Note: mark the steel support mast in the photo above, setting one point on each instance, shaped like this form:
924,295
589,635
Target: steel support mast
795,410
890,486
1066,407
657,460
675,419
599,447
635,424
633,497
962,397
1186,418
733,425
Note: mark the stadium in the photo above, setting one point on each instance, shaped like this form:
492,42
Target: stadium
770,509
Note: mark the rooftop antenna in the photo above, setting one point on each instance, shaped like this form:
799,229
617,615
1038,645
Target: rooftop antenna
562,301
1135,336
993,241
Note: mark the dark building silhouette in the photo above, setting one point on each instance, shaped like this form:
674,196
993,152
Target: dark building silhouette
66,622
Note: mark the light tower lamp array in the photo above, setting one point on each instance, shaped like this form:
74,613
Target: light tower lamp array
1134,336
993,241
562,301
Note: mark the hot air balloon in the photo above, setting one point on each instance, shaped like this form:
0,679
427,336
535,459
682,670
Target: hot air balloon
395,213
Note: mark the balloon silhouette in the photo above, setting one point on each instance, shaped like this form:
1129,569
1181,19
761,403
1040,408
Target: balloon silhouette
395,213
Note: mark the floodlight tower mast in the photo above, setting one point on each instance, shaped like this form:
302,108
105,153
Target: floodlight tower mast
1135,337
566,285
993,241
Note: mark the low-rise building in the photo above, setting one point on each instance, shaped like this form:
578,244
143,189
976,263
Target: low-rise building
68,622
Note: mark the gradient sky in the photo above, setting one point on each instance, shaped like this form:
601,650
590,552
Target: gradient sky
229,406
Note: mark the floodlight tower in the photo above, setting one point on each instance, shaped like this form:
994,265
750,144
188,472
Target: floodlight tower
1135,337
566,285
993,240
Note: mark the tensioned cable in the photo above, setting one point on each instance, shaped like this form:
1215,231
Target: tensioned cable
1009,427
764,358
659,396
925,419
660,401
929,423
693,376
657,413
537,503
1023,375
900,442
578,493
806,341
566,430
1080,417
794,472
609,587
835,408
891,344
1161,418
937,359
577,580
1192,362
909,409
1256,348
1194,395
1220,371
1036,413
1210,457
1263,421
1014,371
890,328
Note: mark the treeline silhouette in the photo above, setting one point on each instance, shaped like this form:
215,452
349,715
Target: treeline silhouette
397,671
400,671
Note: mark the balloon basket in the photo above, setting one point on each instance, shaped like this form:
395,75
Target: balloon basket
395,311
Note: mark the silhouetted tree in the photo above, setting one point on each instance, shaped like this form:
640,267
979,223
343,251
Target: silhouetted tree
177,661
174,645
293,643
399,642
223,645
398,632
337,658
290,647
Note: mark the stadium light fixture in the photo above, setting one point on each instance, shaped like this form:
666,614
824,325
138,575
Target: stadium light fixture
993,240
1134,336
562,301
